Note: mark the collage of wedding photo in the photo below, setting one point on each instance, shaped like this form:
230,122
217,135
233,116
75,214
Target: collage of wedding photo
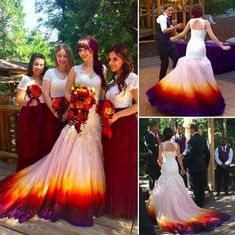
117,117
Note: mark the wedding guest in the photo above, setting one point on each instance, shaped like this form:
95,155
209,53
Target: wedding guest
166,48
31,126
197,159
120,151
223,158
152,141
54,82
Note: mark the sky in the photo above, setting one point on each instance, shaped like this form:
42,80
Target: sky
31,17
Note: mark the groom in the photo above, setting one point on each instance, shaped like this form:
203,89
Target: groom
197,159
166,48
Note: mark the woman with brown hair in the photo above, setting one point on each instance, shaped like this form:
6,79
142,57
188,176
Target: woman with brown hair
54,82
120,151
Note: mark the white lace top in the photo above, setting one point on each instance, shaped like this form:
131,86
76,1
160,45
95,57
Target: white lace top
57,82
28,81
123,99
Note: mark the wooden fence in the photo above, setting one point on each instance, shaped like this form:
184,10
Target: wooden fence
9,115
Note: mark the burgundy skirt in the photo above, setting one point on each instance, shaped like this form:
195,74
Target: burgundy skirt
120,161
52,129
38,131
30,136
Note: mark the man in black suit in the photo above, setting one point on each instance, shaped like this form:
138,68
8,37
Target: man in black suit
197,159
166,48
152,141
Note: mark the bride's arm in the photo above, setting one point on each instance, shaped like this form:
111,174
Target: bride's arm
214,38
179,158
182,34
70,81
160,157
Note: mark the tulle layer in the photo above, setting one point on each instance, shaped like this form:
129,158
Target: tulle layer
209,220
188,90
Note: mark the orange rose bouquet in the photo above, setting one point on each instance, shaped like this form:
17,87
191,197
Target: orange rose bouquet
105,109
81,100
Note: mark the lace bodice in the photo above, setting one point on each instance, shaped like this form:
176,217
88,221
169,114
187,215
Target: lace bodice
57,82
123,99
196,48
93,80
169,165
28,81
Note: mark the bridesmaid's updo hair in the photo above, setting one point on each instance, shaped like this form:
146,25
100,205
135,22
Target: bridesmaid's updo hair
123,52
167,133
69,54
32,59
91,44
196,11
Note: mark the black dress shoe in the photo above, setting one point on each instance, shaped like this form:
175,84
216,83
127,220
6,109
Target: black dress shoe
226,193
217,194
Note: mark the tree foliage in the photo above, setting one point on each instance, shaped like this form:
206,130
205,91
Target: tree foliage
108,21
16,43
218,6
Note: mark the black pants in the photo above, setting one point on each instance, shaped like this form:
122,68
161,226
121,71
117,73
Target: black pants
222,175
145,225
197,182
167,51
153,170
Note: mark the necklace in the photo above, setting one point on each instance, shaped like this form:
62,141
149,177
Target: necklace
61,75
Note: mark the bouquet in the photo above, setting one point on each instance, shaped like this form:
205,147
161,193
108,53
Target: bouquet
105,109
60,104
34,91
81,100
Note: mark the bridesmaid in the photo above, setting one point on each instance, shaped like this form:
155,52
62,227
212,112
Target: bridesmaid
30,121
120,151
54,82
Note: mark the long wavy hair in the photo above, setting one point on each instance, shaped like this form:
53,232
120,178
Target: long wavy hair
30,65
69,54
91,44
123,52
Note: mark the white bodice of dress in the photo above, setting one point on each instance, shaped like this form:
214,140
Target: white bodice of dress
57,82
123,99
90,81
169,166
196,48
28,81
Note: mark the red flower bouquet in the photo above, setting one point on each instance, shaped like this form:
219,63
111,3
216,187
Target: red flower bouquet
105,109
81,100
60,104
34,91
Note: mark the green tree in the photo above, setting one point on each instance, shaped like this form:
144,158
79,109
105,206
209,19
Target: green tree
108,21
12,34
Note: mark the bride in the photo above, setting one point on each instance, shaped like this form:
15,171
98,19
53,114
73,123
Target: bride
69,182
170,204
191,89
